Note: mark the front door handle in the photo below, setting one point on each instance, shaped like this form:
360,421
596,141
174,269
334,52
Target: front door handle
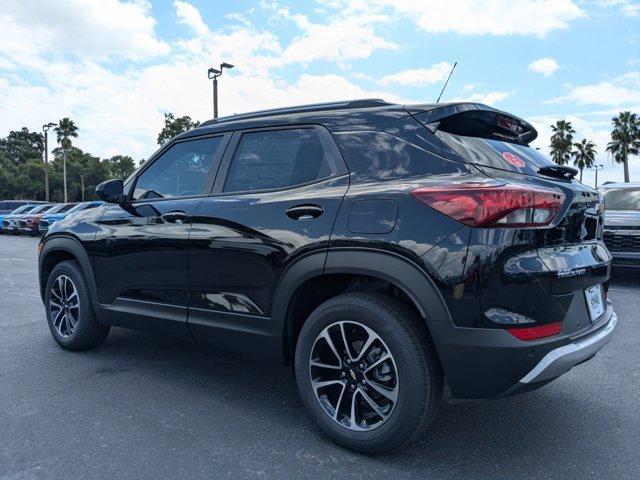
304,212
177,216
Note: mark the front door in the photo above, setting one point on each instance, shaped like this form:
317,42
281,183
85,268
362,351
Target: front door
140,251
275,199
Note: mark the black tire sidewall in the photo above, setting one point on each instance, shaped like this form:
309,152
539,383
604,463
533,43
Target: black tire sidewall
408,413
71,270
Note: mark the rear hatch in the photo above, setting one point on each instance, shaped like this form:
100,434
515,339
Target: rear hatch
496,143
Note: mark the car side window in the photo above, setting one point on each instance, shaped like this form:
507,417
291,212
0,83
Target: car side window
179,172
278,158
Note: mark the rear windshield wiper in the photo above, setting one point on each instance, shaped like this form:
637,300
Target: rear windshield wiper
558,171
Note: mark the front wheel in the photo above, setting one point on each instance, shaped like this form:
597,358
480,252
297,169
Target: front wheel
367,372
69,310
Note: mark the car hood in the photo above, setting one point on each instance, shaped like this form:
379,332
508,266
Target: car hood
621,218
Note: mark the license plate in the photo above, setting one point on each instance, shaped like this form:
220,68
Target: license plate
595,301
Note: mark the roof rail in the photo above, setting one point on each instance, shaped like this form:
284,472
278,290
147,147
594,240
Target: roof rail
314,107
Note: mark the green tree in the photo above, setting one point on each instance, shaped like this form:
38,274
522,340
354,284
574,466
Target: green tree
65,130
22,145
174,126
120,166
82,168
625,139
561,142
584,155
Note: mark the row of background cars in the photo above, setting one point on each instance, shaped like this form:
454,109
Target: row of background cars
34,218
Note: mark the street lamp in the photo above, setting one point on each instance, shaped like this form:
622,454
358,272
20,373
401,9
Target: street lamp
213,75
45,130
597,168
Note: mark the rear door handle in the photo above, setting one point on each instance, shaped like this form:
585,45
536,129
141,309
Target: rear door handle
304,212
177,216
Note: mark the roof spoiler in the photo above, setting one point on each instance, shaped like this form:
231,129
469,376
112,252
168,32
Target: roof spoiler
474,120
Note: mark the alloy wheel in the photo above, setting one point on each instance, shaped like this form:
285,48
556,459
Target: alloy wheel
64,305
354,375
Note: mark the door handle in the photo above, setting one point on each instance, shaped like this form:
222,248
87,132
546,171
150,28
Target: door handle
176,216
304,212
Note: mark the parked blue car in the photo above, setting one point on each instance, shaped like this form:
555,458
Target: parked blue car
10,221
11,207
50,218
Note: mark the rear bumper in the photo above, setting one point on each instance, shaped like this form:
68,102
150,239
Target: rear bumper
490,363
560,360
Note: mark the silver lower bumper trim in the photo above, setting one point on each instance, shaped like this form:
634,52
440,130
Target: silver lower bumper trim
562,359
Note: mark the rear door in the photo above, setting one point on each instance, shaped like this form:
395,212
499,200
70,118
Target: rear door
275,199
140,249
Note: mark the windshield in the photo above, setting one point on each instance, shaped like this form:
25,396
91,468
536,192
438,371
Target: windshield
496,154
622,199
63,207
42,208
23,209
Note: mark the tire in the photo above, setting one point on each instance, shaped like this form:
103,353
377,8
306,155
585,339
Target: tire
86,332
411,397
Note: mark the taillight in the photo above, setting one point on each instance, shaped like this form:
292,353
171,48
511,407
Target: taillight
493,204
536,333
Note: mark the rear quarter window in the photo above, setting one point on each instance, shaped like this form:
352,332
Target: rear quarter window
385,156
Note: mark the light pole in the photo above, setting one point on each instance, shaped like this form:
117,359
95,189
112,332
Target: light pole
213,75
597,168
45,131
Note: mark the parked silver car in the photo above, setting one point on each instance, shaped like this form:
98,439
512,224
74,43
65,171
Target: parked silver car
622,222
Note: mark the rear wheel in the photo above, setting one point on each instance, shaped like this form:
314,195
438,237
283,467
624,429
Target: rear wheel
69,310
367,372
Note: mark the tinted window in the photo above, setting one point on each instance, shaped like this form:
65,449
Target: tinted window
23,209
179,171
496,154
622,199
384,156
278,158
42,208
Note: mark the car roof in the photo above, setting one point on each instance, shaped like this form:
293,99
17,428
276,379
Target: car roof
619,185
342,115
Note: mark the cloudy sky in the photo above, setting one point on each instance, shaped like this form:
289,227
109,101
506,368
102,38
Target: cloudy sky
115,67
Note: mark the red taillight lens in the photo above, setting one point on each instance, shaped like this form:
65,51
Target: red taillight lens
493,205
535,333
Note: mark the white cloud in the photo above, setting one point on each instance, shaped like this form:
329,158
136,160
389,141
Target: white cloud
630,8
419,76
83,28
120,109
545,66
346,37
190,16
488,17
620,90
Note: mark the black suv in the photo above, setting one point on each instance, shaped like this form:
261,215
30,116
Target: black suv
377,248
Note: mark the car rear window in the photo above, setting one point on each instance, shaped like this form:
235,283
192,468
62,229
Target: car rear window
622,199
496,153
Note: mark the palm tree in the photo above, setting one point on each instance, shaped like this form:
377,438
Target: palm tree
584,155
625,139
64,131
561,142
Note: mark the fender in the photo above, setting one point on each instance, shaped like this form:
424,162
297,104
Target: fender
72,246
381,264
398,270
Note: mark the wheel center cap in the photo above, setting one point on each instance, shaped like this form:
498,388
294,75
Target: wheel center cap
353,376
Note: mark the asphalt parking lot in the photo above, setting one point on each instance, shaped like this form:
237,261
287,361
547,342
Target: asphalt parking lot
142,406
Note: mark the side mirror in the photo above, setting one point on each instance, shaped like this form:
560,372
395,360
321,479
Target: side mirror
110,191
